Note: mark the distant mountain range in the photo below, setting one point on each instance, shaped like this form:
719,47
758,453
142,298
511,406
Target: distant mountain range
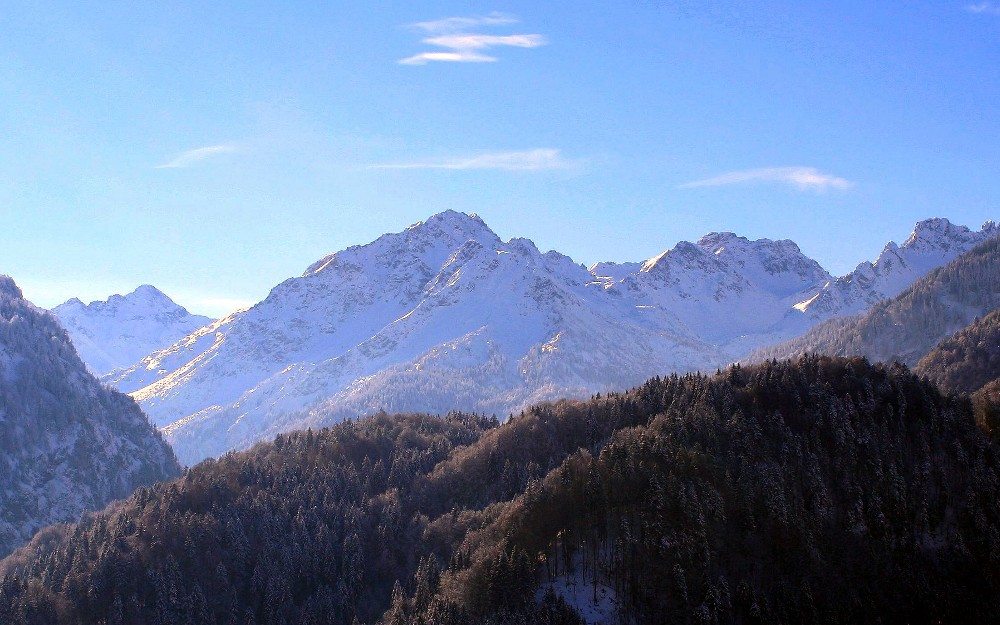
932,243
445,315
909,325
67,443
117,332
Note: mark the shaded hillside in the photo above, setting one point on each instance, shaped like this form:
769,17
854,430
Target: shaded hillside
67,444
906,327
968,360
826,490
822,491
986,402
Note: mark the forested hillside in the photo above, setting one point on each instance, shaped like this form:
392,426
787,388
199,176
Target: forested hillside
822,490
968,360
67,443
907,326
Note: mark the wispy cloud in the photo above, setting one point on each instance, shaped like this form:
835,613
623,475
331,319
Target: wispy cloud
799,177
462,45
193,157
455,24
526,160
988,8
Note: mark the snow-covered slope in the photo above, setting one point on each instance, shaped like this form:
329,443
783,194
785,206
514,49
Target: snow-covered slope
933,243
445,315
498,327
117,332
725,289
907,327
67,444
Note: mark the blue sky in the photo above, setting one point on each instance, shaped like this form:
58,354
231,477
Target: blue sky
215,149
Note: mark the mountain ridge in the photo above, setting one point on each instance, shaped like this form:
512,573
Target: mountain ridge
443,312
909,325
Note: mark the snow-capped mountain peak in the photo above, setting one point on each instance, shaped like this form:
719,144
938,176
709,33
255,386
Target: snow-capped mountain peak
116,332
451,220
936,233
776,266
423,241
445,315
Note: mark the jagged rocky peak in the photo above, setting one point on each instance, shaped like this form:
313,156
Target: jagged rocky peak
935,227
933,243
561,262
522,246
774,256
685,254
150,293
938,233
721,242
752,260
452,227
452,220
716,240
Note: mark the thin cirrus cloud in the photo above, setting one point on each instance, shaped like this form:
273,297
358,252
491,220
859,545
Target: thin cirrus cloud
806,178
456,24
987,8
462,45
525,160
196,156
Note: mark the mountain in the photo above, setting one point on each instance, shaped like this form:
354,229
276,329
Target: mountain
968,360
986,402
67,443
825,491
119,331
446,315
725,289
933,243
909,325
